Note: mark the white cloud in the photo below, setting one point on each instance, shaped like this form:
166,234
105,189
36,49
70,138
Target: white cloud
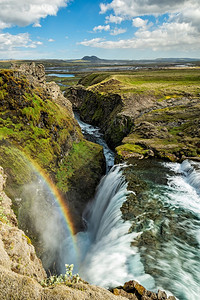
180,30
134,8
92,43
23,12
37,25
101,28
186,11
9,42
104,8
113,19
169,36
51,40
118,31
138,22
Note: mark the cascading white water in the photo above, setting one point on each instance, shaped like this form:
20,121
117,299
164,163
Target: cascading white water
104,248
93,134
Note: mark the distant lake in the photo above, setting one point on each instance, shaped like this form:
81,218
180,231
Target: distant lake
61,75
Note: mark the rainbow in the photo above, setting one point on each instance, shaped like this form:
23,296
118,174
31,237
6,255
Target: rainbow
58,197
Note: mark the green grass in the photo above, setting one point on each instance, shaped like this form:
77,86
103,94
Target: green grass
94,78
163,84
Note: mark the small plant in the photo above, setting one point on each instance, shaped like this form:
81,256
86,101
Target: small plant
3,217
28,239
67,278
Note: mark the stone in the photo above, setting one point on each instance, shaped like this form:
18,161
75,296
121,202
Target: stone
36,76
2,179
162,295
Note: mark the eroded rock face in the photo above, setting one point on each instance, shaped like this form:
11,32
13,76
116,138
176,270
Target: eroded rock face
36,76
17,254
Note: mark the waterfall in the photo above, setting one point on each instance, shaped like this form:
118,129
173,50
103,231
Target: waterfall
105,251
165,228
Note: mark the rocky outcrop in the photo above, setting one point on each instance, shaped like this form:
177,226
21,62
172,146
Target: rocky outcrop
134,291
35,74
17,254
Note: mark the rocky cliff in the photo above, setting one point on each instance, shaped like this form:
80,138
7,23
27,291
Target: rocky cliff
37,123
39,138
144,114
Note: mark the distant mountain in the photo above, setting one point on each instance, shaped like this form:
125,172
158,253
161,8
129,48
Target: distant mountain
92,58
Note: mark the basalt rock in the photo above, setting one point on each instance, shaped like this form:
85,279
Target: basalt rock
134,291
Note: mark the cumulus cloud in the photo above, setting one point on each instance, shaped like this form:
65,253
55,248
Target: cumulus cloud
138,22
23,12
114,19
9,42
37,25
186,11
180,29
168,36
118,31
135,8
92,43
101,28
51,40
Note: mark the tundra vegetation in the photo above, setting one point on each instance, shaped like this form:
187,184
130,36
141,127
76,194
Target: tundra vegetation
156,114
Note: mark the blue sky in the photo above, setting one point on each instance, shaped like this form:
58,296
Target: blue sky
113,29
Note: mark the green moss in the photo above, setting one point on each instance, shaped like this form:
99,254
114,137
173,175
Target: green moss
3,216
17,168
130,148
78,159
40,127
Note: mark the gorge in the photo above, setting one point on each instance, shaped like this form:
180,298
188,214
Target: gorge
145,200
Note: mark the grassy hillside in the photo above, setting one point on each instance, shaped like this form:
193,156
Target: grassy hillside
157,116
